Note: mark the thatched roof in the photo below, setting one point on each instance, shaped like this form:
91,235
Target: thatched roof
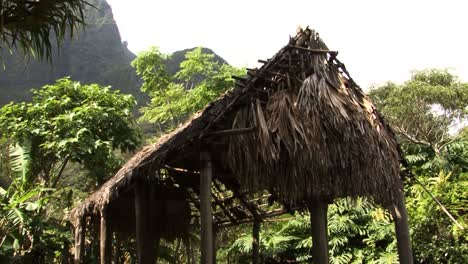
298,127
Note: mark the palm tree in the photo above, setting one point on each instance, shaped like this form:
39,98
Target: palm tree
28,24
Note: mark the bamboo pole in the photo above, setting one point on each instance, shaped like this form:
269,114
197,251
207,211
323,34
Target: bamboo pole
105,245
143,237
256,242
400,217
80,235
205,209
318,219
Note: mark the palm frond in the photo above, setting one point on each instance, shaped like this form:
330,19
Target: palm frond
20,161
29,25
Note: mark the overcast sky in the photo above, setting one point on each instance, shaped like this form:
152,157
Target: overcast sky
377,40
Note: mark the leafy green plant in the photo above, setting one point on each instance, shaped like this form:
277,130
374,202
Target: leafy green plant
200,80
66,124
69,122
426,112
358,232
19,206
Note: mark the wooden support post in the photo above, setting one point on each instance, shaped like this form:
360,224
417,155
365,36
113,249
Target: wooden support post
105,245
143,236
153,221
205,209
400,217
215,249
318,220
157,243
256,242
80,234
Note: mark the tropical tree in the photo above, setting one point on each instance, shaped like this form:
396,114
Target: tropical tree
68,122
428,113
200,80
30,24
425,109
65,124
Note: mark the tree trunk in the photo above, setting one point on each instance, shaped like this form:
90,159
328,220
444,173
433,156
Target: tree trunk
256,242
105,239
318,219
80,233
143,237
400,217
205,210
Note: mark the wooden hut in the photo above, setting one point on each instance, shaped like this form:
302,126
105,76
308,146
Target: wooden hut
298,128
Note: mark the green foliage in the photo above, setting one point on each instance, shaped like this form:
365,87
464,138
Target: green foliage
64,125
423,109
200,80
424,112
359,232
149,65
19,205
439,240
29,24
72,122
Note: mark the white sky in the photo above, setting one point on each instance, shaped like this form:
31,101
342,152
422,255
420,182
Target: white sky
377,40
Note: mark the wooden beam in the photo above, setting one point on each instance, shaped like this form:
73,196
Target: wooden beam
270,214
318,220
105,241
221,203
80,235
251,208
205,209
231,132
400,217
314,50
143,236
239,79
256,242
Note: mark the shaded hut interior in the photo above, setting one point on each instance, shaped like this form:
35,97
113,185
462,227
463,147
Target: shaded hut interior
297,132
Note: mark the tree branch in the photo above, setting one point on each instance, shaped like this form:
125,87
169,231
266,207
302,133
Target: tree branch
58,176
411,138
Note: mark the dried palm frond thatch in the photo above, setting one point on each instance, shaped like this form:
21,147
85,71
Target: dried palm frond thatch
318,135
